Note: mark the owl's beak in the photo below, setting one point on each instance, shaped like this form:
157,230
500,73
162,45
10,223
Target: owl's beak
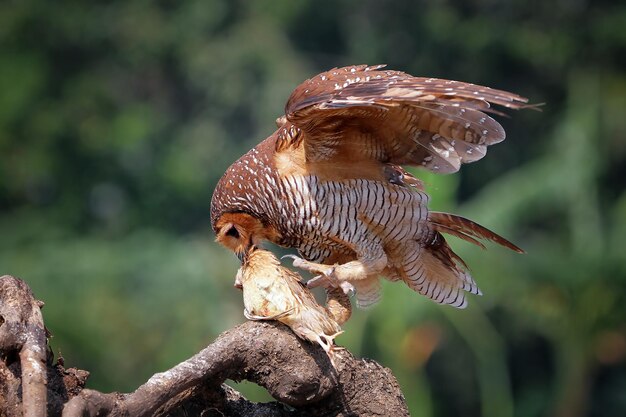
244,252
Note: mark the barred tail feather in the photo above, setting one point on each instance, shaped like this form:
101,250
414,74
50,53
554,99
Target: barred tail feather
445,261
441,274
467,230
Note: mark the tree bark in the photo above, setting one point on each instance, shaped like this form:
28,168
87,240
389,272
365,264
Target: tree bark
296,373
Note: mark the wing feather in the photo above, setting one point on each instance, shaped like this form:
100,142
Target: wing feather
359,113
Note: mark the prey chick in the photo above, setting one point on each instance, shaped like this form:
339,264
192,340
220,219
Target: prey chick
273,292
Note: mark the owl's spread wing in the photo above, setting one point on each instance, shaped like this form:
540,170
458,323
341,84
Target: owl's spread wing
362,113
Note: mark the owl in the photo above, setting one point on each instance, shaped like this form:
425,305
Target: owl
330,181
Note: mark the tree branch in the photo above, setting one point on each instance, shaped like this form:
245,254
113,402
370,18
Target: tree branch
296,373
22,331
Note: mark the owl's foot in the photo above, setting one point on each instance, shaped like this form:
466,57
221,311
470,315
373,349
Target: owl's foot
326,275
328,282
327,272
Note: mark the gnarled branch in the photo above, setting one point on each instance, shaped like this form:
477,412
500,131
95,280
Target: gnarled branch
296,373
22,333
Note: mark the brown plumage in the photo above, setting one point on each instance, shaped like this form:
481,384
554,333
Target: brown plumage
329,181
273,292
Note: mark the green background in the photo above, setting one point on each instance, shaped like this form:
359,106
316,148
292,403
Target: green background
117,118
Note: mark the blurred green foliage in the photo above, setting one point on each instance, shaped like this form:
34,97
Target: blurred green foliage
117,119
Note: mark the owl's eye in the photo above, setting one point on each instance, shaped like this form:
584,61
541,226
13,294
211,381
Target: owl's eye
233,232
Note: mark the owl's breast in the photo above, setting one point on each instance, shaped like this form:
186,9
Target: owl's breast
326,219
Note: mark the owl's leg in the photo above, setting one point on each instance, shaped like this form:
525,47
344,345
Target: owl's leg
326,275
330,281
369,262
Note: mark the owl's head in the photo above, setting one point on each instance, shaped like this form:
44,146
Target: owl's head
240,232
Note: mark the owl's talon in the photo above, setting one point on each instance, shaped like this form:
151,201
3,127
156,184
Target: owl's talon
310,266
347,288
297,261
325,279
326,275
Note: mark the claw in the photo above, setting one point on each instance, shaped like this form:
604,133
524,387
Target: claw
309,266
297,261
347,288
326,277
